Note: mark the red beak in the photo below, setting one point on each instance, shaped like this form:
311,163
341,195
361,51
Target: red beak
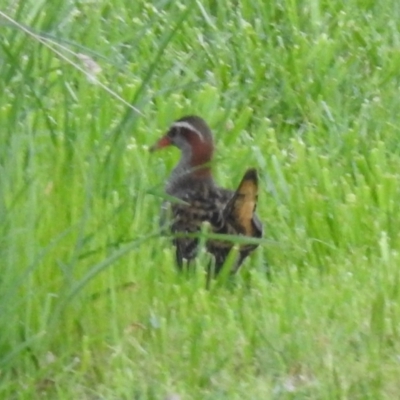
161,143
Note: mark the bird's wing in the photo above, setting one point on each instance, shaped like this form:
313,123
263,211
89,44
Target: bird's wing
240,210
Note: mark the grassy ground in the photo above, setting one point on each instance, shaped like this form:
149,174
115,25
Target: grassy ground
90,304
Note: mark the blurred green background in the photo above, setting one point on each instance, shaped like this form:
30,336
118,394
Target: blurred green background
91,306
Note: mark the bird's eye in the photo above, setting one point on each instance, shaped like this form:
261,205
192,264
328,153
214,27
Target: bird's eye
173,132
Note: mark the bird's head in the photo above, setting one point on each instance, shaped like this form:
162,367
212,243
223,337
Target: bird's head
193,137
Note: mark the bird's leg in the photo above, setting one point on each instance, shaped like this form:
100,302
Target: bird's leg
179,258
239,261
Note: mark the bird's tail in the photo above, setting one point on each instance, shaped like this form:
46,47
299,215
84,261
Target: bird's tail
243,204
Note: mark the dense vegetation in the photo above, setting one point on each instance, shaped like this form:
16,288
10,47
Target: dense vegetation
91,306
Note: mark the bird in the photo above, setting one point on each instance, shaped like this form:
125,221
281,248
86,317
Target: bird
194,198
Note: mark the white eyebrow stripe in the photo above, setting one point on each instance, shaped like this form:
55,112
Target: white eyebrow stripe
186,125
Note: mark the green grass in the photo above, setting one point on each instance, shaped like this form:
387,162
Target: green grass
91,306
